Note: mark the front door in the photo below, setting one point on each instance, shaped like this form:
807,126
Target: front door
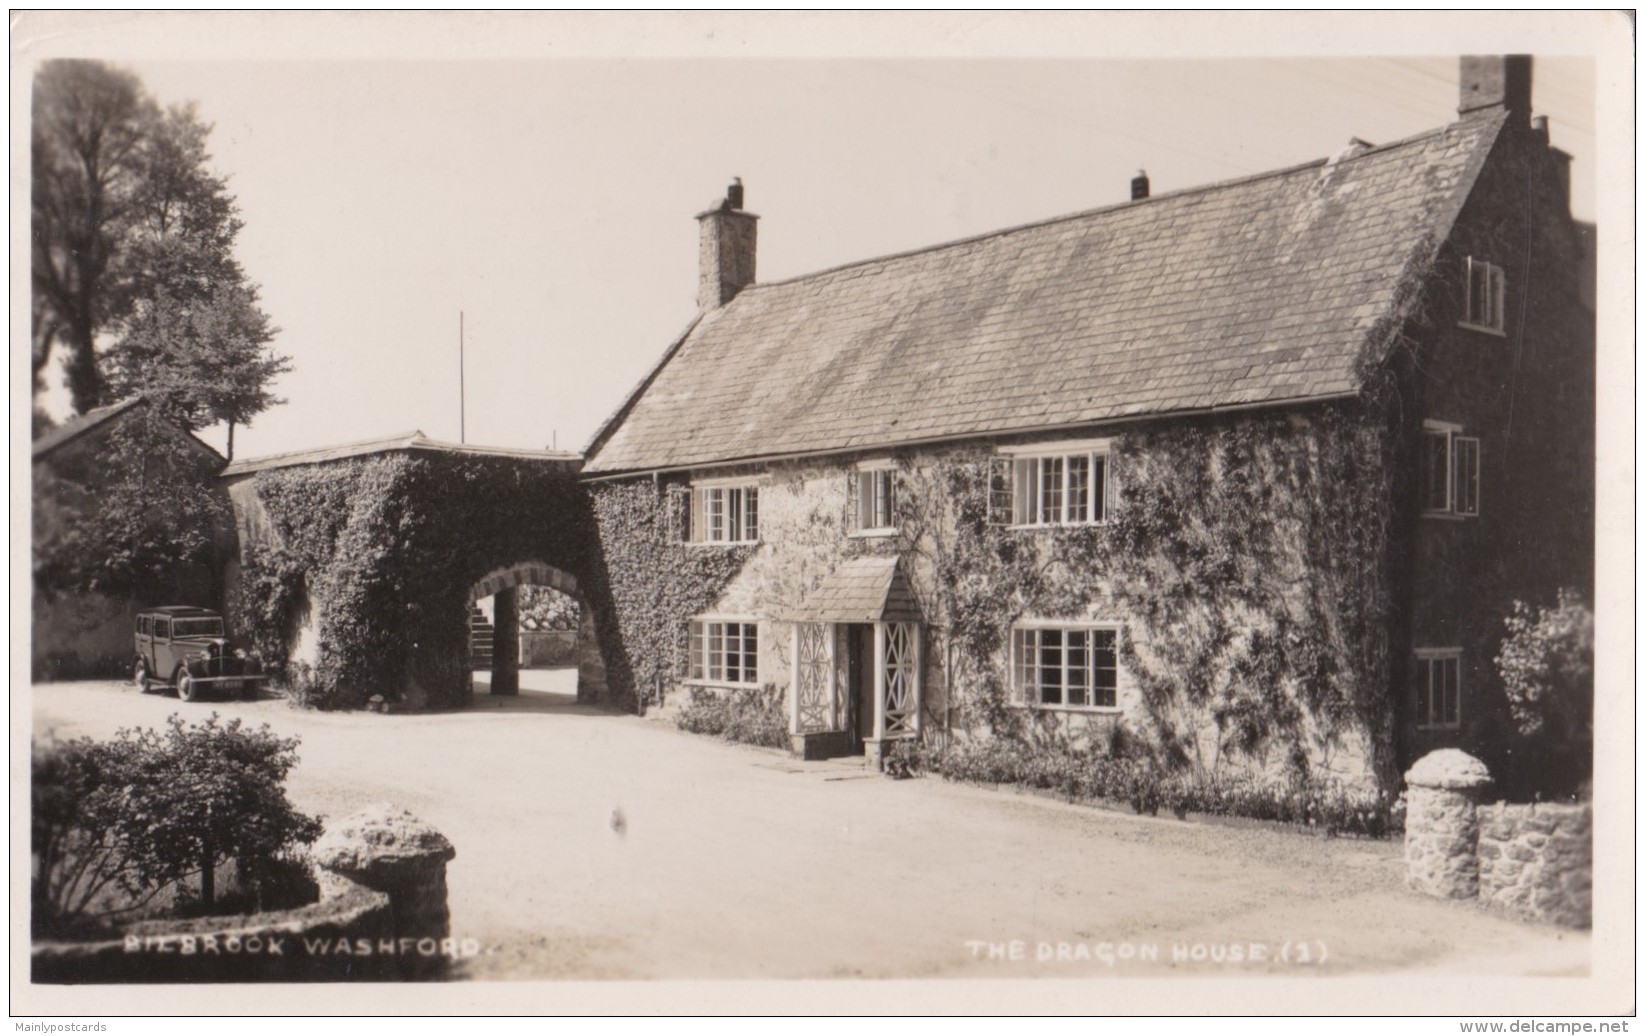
859,641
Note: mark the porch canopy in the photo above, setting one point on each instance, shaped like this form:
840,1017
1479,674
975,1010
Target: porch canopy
869,589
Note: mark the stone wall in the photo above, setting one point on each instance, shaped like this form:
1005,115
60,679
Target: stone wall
1532,861
381,916
1537,861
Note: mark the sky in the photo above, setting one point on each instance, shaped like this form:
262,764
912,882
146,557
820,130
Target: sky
549,199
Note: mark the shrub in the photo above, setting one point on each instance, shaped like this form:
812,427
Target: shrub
1547,666
117,822
750,716
1081,773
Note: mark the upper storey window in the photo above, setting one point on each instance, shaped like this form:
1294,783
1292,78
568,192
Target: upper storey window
1068,484
1483,303
715,513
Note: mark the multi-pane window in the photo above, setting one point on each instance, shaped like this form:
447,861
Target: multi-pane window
1070,666
714,514
1439,687
1484,290
1057,489
876,500
724,652
1450,467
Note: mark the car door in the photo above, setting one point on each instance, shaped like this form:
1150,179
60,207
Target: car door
165,654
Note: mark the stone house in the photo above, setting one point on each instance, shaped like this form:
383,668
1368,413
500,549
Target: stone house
1248,472
86,632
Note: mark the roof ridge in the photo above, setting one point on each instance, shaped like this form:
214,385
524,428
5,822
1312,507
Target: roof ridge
1215,185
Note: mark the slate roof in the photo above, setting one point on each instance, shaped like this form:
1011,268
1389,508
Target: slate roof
406,441
1259,291
868,589
80,424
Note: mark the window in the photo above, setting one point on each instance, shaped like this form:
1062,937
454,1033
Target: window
1483,297
162,628
1062,488
875,504
1065,666
724,652
1439,687
1450,466
714,514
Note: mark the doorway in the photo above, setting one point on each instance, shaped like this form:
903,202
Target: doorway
859,653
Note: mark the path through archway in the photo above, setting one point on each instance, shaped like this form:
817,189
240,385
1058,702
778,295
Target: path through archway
502,586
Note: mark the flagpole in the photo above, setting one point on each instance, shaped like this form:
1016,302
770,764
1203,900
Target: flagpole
462,388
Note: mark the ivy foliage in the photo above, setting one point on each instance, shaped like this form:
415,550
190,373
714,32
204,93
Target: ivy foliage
654,586
387,549
1249,559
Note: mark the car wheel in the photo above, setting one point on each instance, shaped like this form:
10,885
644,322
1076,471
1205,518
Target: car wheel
187,689
140,676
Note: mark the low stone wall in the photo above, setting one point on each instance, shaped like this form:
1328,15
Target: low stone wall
381,916
544,649
1537,861
1532,861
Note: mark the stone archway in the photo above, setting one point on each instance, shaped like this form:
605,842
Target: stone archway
503,584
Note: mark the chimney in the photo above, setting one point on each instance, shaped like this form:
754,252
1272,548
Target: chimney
1139,185
725,250
1493,83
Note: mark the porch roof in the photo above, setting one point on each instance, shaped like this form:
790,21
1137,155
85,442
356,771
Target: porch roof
860,590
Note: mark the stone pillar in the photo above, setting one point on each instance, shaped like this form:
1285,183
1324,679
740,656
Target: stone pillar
591,682
390,851
1441,826
505,642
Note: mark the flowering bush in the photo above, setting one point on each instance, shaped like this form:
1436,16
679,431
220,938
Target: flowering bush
1547,666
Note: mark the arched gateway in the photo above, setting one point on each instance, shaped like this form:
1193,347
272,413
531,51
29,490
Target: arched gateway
360,564
503,584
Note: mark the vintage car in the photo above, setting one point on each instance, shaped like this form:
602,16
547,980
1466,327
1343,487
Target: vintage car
185,649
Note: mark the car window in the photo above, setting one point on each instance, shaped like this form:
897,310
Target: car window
143,625
162,627
198,627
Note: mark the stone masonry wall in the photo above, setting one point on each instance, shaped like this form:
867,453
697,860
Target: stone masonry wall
1537,861
1533,861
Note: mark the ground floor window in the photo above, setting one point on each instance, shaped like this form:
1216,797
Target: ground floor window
724,652
1439,687
1066,666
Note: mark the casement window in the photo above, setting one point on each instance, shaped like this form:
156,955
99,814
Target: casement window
1450,471
1074,667
1051,486
1483,296
1439,687
728,513
722,652
874,499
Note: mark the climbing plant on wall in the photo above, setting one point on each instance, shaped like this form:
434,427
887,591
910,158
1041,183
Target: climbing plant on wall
388,548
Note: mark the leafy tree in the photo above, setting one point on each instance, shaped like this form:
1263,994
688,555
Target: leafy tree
545,608
1547,667
143,508
134,240
89,125
115,823
195,341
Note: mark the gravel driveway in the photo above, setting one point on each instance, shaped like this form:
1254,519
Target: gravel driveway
734,862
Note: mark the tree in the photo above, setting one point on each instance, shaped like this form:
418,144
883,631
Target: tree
134,240
115,823
145,509
195,342
89,125
1547,667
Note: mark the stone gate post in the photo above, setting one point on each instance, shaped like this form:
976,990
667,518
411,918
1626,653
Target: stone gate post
1441,826
391,851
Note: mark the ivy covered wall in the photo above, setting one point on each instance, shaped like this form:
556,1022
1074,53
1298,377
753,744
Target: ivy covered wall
375,556
1247,563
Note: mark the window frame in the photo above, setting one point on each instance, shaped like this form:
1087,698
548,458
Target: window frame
1495,281
1462,471
1031,497
745,513
700,642
864,494
1422,706
1032,697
